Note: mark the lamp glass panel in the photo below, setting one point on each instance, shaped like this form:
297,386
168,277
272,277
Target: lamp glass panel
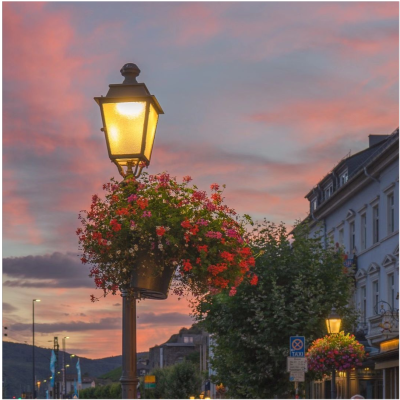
151,131
124,124
333,325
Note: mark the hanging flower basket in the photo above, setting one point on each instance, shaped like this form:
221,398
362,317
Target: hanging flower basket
150,231
336,351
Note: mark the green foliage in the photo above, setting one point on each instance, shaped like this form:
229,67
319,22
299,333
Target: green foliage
113,375
299,282
179,381
112,391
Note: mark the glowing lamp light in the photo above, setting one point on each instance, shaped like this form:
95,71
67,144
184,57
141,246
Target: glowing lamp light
130,115
333,322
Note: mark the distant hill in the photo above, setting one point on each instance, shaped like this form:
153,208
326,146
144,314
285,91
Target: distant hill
17,367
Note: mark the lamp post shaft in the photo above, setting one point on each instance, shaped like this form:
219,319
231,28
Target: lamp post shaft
128,379
64,394
33,350
333,385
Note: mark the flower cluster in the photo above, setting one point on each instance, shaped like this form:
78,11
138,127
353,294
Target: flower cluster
336,351
175,225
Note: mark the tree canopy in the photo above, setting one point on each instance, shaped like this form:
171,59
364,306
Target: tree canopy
299,282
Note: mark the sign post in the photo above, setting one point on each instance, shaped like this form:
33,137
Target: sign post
297,363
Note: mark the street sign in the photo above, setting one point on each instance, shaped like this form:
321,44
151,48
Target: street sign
150,382
297,345
150,385
297,364
150,379
296,376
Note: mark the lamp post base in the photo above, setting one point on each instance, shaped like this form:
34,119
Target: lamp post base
333,385
128,379
129,388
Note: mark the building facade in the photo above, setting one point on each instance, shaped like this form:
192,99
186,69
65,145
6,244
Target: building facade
356,206
178,347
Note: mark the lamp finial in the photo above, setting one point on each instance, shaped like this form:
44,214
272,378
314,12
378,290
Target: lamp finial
130,71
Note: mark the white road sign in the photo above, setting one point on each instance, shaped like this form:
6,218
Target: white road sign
296,376
297,364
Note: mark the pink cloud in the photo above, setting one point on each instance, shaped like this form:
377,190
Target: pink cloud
314,117
18,222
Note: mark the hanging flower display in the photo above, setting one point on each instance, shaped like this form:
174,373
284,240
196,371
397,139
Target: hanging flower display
172,225
336,351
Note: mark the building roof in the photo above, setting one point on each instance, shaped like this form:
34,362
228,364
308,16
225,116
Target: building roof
358,161
179,344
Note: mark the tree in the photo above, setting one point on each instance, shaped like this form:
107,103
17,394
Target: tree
299,282
184,381
179,381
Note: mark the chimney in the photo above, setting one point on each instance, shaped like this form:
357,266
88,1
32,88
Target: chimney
375,139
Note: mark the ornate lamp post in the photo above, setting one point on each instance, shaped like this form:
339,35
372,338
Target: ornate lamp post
130,115
33,349
333,323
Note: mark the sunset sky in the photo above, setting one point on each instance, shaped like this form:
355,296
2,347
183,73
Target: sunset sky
264,97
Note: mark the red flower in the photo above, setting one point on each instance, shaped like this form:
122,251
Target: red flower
160,231
254,280
186,224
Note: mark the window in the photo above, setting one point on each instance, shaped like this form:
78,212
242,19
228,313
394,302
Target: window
343,178
363,231
391,291
390,206
363,301
375,294
375,224
328,191
314,204
352,235
188,339
341,237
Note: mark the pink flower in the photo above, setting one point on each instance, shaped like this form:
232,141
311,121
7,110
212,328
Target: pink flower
233,291
187,178
131,198
214,186
146,213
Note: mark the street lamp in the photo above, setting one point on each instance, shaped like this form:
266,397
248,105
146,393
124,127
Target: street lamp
333,323
130,115
33,349
64,375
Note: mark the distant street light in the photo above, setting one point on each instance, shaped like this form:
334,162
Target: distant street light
33,348
333,323
64,374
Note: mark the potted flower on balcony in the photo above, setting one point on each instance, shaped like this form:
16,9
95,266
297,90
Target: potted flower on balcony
152,230
335,352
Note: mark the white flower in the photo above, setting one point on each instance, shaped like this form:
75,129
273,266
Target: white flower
109,243
160,246
124,270
132,227
174,262
186,245
118,252
131,250
136,247
199,239
167,228
110,255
